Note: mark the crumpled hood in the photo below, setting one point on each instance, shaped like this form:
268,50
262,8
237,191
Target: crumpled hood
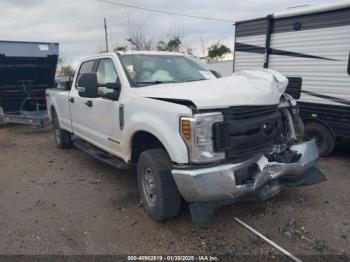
248,87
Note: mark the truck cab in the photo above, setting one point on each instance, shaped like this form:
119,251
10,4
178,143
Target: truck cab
192,136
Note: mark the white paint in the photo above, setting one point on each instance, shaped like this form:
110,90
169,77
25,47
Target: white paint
100,122
311,9
239,89
326,77
250,61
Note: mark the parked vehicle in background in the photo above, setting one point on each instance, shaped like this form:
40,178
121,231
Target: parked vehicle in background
210,141
27,69
311,46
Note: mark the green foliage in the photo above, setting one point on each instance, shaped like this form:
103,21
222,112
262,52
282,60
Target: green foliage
217,51
173,45
66,70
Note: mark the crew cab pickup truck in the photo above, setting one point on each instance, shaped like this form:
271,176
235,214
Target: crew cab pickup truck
210,141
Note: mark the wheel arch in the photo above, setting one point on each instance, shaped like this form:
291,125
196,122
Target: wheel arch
319,121
50,111
143,140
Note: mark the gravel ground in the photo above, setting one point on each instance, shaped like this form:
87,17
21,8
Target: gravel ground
65,202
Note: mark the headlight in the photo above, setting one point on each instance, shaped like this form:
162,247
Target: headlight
197,132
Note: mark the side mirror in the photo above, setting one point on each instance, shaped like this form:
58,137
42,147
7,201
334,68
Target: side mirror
110,90
87,85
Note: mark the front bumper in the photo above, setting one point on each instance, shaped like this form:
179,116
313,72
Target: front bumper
222,182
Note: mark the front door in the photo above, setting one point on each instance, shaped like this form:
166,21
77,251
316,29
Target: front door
97,119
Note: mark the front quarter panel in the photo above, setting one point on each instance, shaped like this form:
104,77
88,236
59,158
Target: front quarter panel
159,118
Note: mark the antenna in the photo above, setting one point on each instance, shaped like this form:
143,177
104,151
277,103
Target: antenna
106,34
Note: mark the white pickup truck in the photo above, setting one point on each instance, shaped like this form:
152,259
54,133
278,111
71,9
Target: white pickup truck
210,141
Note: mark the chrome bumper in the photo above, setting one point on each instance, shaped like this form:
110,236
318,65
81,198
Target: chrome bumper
219,182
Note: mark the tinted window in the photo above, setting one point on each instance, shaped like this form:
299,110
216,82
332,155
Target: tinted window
106,72
85,67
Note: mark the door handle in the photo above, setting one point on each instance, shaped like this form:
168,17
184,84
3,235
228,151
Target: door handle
88,103
71,99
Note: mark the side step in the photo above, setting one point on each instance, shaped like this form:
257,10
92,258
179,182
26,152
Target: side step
101,155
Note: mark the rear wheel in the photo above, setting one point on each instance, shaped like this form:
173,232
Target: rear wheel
324,138
62,137
159,194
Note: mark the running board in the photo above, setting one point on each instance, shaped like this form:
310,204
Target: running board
100,155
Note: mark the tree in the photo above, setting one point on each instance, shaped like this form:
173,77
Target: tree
121,48
173,44
216,51
162,46
66,70
138,38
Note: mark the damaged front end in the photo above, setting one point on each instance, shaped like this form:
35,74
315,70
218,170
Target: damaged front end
264,155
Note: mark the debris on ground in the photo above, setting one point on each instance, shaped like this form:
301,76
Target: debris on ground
97,181
275,245
294,230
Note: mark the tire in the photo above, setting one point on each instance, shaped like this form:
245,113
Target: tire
324,138
160,196
62,137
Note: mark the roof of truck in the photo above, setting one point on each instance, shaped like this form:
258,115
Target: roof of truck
132,52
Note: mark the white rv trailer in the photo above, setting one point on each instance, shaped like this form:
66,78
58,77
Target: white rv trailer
311,46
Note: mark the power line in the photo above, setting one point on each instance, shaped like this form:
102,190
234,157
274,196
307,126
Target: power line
166,12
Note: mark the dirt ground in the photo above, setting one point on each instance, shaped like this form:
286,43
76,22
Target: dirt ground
65,202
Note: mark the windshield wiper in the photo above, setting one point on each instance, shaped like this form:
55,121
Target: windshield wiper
194,80
154,82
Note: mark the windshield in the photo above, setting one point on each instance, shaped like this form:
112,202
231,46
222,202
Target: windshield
145,70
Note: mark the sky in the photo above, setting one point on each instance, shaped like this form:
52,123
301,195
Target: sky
77,25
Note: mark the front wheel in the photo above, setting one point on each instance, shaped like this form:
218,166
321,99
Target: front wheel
62,137
160,196
324,138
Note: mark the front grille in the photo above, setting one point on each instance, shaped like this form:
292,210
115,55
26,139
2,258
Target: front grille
244,112
247,131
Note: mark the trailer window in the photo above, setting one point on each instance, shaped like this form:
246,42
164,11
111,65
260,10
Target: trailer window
86,67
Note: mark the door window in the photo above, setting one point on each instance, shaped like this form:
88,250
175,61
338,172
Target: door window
86,67
106,73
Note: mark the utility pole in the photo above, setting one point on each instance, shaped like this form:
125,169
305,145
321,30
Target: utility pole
106,35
